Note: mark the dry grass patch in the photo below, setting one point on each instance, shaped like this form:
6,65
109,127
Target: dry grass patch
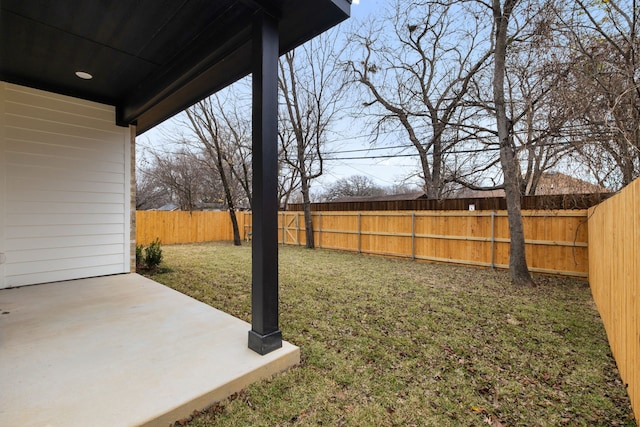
395,342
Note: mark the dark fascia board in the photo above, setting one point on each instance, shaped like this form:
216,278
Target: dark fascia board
177,81
227,64
218,76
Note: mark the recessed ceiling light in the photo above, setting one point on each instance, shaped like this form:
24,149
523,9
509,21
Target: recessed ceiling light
84,75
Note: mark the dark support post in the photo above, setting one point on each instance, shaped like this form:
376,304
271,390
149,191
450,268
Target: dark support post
265,335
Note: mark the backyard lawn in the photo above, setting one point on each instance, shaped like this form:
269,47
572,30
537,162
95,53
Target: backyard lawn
396,342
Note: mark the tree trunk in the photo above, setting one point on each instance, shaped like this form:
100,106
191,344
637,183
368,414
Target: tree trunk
510,168
236,231
308,222
517,257
237,241
227,194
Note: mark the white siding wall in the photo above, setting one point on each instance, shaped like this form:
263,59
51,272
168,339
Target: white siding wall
65,203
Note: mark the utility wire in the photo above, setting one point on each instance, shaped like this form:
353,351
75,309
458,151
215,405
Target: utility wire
373,149
329,156
382,156
388,156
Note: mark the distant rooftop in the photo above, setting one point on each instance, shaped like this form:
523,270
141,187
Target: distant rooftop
550,184
382,198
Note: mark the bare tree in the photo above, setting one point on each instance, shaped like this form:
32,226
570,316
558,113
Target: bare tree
223,144
353,186
237,155
310,82
150,192
527,113
535,72
180,175
510,166
606,58
289,181
402,188
416,80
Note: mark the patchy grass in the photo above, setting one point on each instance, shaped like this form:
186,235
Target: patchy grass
395,342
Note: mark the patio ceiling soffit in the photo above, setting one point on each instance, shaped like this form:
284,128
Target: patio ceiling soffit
150,58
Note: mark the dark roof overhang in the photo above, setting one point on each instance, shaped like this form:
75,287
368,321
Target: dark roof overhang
149,58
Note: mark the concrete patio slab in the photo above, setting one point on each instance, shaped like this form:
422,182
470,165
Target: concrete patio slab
119,351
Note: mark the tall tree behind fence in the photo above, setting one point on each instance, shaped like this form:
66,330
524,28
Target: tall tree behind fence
614,276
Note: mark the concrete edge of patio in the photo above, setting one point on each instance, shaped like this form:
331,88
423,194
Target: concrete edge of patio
287,357
120,350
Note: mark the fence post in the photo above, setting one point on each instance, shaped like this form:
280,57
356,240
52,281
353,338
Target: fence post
320,229
413,236
493,239
359,233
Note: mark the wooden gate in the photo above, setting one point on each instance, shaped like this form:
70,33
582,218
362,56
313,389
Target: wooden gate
290,228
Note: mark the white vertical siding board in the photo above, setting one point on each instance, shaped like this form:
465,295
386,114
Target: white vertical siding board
66,175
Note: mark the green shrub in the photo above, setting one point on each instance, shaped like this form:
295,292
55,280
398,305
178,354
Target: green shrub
153,254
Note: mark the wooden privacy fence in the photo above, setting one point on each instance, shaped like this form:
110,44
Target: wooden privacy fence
185,227
556,240
614,277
